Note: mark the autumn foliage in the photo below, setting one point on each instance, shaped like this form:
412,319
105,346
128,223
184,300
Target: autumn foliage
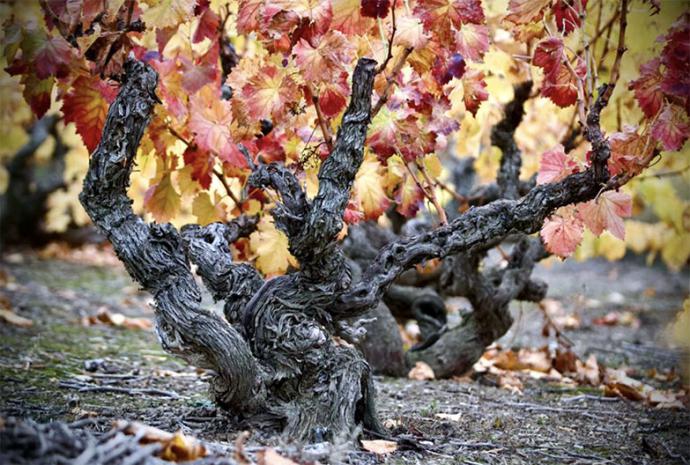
274,76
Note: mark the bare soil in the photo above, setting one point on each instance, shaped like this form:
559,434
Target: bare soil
59,369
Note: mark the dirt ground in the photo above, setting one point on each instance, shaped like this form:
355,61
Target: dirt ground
59,369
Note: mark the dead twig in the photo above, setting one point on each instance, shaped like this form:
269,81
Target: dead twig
83,387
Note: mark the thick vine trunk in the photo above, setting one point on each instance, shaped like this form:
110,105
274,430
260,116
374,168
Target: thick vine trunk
284,349
23,204
275,352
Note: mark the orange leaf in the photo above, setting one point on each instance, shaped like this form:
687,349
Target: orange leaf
86,105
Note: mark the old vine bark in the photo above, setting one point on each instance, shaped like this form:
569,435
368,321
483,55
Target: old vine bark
275,352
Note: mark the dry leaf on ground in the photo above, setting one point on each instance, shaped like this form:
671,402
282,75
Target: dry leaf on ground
177,447
12,318
421,371
380,446
105,316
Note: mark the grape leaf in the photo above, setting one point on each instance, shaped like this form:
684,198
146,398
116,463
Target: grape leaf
86,105
562,231
628,149
567,14
162,200
37,93
270,92
526,11
607,212
205,210
271,248
53,58
210,122
348,19
209,22
375,8
671,128
647,88
368,189
168,13
202,163
324,62
473,41
410,32
248,15
475,90
444,16
555,165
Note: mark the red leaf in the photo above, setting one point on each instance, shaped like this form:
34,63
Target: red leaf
86,105
567,14
248,15
209,22
562,231
647,88
475,90
671,127
375,8
332,101
37,93
555,165
676,57
444,16
196,75
52,58
549,54
561,86
201,162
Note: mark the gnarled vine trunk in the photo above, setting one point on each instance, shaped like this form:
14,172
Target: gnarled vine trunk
284,348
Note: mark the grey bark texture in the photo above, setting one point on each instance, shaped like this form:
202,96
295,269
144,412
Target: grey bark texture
284,349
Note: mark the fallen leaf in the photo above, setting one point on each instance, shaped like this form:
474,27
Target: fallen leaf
182,448
12,318
510,381
380,446
449,416
177,447
589,370
421,371
565,361
538,360
240,456
105,316
270,457
391,423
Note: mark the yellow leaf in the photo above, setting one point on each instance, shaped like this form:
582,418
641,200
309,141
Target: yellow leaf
369,188
271,248
676,251
205,211
162,200
182,449
168,13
